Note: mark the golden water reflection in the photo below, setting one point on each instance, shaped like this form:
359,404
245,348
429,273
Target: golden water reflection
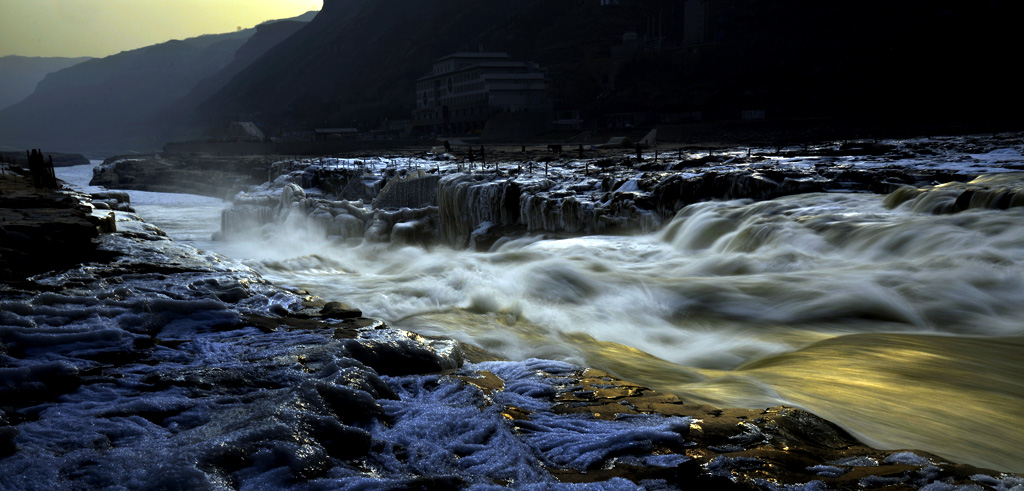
958,397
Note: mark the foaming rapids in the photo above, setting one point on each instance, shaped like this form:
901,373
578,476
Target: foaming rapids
901,325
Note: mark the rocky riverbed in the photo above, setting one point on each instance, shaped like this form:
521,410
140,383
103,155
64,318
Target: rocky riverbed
144,363
445,198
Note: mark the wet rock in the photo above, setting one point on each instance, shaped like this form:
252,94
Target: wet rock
364,380
394,352
798,427
340,441
43,230
112,200
339,310
433,483
228,457
350,405
306,461
38,382
7,436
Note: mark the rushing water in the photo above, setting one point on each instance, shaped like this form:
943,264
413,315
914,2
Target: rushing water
903,327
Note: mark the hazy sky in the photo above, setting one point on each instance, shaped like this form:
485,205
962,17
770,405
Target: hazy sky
104,27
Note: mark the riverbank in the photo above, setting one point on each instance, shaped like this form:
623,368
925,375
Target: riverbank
161,365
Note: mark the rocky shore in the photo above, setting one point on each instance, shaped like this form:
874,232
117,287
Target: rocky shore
207,175
127,359
59,159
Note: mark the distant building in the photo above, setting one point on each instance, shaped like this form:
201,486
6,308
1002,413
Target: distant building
463,91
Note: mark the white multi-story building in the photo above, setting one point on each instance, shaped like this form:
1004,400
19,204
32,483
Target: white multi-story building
464,90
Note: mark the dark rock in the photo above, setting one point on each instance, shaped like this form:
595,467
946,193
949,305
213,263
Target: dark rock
350,405
7,436
366,381
963,201
433,483
339,310
399,356
306,460
340,441
227,456
44,230
39,382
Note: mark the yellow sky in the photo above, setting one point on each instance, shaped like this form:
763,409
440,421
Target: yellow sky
105,27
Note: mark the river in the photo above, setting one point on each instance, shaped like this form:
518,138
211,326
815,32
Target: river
902,327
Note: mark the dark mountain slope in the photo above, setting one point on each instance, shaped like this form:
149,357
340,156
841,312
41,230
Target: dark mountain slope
171,120
101,105
358,59
907,61
121,103
19,75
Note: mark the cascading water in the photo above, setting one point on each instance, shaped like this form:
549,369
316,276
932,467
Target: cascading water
832,302
875,312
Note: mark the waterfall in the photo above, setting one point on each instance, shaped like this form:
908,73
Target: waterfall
993,191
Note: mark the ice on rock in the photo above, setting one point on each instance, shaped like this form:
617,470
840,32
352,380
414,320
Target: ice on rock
943,486
827,470
856,462
444,427
584,443
906,458
1004,483
724,466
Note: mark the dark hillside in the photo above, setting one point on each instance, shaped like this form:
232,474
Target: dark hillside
130,101
101,104
173,120
358,59
20,74
866,62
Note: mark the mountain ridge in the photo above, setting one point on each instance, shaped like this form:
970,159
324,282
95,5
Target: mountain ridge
21,74
118,104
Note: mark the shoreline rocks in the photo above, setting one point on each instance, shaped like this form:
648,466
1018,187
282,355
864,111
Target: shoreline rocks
43,228
215,176
59,159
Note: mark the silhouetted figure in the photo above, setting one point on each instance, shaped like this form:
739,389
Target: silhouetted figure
51,174
639,153
555,149
483,155
41,169
447,146
581,150
471,156
34,167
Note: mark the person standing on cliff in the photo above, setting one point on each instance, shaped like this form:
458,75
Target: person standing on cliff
35,166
